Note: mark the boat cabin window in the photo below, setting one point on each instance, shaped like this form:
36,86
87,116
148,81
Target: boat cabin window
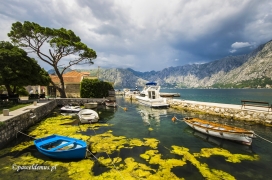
151,94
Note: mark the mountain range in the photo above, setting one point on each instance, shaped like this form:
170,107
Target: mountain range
244,71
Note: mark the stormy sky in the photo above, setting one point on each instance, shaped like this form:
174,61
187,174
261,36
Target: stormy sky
150,35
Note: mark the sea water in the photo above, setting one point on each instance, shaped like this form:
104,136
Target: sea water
226,96
137,120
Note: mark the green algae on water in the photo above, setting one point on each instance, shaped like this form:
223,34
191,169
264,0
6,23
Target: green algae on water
117,168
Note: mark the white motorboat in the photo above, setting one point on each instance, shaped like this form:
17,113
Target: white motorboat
150,96
221,130
88,116
70,109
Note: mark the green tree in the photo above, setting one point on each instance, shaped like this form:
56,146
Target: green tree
52,46
17,69
94,88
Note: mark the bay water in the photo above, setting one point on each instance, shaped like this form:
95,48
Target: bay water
226,96
137,121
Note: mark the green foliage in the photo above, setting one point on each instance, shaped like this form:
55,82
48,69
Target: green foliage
2,88
59,42
17,69
22,91
254,83
94,88
12,106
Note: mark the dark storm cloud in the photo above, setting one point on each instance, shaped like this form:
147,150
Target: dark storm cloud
216,43
134,34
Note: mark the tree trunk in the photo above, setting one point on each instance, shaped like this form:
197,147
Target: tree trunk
62,92
14,90
62,88
8,89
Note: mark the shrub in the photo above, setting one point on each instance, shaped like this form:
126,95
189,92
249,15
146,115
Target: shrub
94,88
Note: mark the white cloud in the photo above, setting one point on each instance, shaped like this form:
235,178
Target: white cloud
153,34
238,45
232,50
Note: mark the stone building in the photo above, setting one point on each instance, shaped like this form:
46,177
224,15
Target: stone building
72,82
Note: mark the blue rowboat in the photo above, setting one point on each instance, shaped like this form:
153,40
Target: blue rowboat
61,147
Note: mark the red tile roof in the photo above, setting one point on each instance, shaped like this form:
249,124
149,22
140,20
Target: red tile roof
69,78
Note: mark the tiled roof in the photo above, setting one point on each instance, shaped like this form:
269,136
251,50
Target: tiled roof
72,73
70,77
86,73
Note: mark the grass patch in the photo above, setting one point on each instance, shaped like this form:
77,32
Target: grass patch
13,107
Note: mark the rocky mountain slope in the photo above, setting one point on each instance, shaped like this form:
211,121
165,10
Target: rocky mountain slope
229,70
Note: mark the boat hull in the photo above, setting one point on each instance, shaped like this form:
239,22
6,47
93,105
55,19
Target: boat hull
91,105
221,131
111,104
155,103
74,149
70,109
150,96
88,116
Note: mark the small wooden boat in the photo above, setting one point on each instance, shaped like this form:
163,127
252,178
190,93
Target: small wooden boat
88,116
70,109
220,130
61,147
110,103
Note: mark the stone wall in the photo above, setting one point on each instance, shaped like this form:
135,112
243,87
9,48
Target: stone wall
30,116
263,117
78,101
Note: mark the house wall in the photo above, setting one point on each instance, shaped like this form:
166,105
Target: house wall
72,90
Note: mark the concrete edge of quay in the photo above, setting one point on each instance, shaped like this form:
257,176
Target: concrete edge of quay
231,111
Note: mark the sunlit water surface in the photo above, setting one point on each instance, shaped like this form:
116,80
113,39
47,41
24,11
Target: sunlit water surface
136,123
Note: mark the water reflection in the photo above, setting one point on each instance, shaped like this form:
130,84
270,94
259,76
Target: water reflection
223,143
124,137
151,115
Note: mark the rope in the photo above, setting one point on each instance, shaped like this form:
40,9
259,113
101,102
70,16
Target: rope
92,154
87,150
124,108
24,134
176,119
110,159
262,138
